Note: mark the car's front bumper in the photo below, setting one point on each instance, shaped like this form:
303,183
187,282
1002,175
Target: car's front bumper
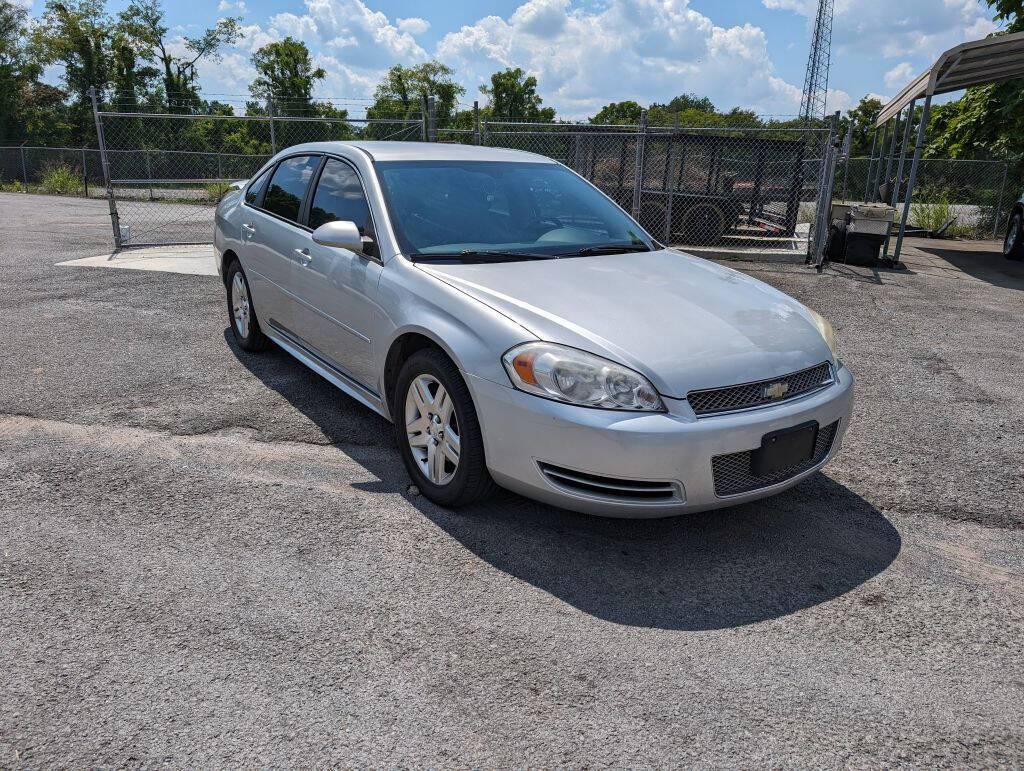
523,433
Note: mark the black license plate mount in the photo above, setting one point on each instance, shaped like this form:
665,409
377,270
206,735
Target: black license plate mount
784,449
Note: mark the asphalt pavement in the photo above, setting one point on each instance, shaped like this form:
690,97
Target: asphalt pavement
212,558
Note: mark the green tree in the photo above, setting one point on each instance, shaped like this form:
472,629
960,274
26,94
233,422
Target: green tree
862,117
142,22
401,93
686,102
286,76
513,94
15,69
988,120
618,114
77,35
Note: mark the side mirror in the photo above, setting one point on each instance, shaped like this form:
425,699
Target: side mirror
342,234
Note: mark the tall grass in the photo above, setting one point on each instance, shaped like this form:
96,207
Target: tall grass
61,179
932,215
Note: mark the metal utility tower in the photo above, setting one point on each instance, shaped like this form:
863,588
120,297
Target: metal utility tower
812,105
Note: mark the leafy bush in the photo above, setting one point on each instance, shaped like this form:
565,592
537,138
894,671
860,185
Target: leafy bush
61,179
10,187
215,190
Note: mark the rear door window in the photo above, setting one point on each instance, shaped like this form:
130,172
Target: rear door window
288,186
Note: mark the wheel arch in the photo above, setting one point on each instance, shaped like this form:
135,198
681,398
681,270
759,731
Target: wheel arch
226,259
405,343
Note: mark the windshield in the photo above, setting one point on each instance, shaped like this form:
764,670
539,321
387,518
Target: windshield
480,207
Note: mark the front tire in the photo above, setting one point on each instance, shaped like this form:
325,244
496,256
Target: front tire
241,313
438,432
1013,244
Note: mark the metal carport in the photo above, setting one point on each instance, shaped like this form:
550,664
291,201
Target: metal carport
990,60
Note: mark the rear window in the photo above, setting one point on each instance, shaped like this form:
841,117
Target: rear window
288,186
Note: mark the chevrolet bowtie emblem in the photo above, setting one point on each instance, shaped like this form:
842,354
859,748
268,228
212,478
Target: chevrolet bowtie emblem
774,390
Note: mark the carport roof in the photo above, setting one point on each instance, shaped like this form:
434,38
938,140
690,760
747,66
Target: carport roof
989,60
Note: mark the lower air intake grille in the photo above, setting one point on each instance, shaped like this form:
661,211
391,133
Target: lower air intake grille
741,397
611,488
733,474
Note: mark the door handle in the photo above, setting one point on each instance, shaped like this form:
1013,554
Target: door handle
304,256
249,228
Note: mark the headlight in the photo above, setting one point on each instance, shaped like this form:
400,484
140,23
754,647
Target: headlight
827,332
576,377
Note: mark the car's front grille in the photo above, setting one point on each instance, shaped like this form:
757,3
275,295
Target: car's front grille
733,474
741,397
611,488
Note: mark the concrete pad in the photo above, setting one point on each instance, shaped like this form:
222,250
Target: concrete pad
190,260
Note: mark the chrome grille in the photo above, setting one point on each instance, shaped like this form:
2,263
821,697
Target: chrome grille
611,488
748,395
733,475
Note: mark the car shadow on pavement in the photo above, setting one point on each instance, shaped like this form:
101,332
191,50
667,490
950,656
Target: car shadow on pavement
702,571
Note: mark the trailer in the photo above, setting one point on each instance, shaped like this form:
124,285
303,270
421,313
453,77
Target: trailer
698,188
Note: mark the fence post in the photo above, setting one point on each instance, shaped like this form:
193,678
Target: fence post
149,174
476,122
220,167
999,205
431,119
423,118
24,173
270,117
115,221
823,216
638,171
85,173
487,129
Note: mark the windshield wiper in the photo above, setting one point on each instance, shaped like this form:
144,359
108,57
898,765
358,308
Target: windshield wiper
480,255
607,249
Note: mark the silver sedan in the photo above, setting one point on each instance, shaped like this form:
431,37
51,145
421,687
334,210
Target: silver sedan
520,329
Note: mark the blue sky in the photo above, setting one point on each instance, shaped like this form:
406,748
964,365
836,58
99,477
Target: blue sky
585,53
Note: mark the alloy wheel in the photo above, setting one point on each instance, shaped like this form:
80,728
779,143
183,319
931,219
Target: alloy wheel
432,429
240,307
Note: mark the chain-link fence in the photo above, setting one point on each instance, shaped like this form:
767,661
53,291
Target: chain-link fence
719,189
973,198
56,170
167,171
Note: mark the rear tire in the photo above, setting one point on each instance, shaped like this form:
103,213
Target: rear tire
241,313
703,224
436,424
1013,244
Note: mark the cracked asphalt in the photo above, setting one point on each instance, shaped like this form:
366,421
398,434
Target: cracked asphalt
211,558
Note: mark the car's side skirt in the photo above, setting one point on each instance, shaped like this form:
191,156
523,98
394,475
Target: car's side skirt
308,356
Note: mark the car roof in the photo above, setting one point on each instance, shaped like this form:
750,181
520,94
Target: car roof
425,151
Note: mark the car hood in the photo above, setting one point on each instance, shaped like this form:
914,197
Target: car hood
684,322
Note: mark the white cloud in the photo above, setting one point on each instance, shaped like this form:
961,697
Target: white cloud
298,27
909,28
227,5
582,59
413,25
899,76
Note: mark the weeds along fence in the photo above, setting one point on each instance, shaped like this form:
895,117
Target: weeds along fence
55,170
976,195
